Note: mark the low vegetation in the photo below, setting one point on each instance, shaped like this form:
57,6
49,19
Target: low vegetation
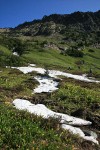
53,43
21,130
33,51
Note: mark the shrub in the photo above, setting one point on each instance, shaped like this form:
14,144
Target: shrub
90,50
13,60
13,44
74,52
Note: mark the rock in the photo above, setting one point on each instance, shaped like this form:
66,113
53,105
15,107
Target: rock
51,45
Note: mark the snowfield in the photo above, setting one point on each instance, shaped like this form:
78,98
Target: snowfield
65,120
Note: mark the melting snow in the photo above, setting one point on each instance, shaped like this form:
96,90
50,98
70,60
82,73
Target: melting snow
15,53
30,69
66,120
79,132
42,110
46,85
32,65
54,73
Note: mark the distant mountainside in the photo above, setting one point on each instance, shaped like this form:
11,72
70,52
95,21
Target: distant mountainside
84,26
2,30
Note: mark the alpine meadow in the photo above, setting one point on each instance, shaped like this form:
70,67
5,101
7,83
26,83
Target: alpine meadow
50,83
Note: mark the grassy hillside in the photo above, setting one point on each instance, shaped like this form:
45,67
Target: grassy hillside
33,50
80,27
21,130
63,44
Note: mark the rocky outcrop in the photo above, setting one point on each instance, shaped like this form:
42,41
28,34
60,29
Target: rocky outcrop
76,26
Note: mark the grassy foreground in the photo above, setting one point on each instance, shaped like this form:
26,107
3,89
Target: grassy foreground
21,130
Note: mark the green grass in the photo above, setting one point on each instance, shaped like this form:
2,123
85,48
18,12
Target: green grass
53,59
14,83
4,50
71,97
21,130
49,58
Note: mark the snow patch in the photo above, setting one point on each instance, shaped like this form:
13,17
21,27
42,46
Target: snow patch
72,129
43,111
15,53
46,85
30,69
66,120
32,65
79,132
55,73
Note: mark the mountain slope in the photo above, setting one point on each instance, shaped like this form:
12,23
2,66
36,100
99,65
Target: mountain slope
75,26
68,43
